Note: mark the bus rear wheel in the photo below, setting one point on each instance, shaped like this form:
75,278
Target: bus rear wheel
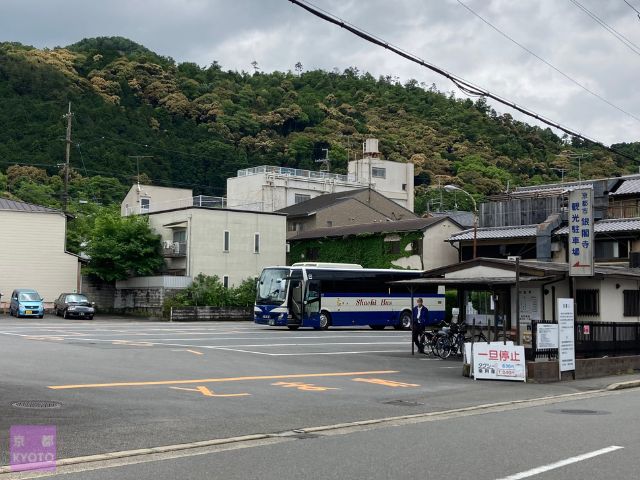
405,321
377,327
325,320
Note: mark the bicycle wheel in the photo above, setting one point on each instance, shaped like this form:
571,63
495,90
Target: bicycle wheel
443,347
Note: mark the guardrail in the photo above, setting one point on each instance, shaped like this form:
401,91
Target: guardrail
208,314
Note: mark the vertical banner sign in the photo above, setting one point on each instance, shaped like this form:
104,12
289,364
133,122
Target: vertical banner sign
581,232
566,338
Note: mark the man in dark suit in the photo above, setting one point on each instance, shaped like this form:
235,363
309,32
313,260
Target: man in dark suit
420,320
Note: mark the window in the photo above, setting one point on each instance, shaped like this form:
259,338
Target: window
329,223
378,172
312,254
145,203
392,247
404,187
256,243
631,303
588,302
611,249
225,245
291,226
180,236
416,247
225,281
299,198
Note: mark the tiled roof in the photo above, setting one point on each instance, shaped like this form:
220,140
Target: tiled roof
628,187
317,203
496,233
611,225
6,204
409,225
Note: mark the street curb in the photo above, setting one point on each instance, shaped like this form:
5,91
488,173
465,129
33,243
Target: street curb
145,451
624,385
325,428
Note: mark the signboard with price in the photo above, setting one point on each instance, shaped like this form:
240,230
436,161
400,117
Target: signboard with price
497,361
566,339
581,232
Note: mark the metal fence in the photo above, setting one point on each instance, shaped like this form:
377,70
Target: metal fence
594,339
599,339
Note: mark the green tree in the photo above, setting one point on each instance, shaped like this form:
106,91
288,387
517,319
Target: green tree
123,247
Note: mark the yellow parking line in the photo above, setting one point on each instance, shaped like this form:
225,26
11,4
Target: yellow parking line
219,380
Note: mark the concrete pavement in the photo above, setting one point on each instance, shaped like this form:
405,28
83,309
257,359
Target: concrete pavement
126,384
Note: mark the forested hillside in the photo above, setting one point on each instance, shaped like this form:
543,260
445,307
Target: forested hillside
201,124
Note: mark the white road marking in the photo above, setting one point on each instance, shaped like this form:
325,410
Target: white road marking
561,463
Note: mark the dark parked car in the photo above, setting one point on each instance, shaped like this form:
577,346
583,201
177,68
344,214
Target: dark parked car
74,305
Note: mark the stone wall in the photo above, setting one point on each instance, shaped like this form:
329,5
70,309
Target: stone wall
102,293
544,372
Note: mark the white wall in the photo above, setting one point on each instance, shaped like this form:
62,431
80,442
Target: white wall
436,251
32,254
205,235
269,192
158,196
397,174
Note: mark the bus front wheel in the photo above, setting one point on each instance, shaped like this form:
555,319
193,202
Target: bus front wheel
325,320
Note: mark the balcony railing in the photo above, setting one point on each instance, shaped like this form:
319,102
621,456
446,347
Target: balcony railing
174,249
297,172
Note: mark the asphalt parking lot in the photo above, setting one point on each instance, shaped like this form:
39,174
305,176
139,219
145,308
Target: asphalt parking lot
120,384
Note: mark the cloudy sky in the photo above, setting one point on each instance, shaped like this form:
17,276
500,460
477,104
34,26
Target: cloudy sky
277,34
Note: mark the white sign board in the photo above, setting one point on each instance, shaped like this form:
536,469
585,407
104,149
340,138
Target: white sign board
566,339
546,335
497,361
581,232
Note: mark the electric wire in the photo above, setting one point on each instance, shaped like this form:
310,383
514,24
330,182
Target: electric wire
620,37
463,85
572,80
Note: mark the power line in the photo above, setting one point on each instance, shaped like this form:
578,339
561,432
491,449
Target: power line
463,85
633,8
572,80
621,38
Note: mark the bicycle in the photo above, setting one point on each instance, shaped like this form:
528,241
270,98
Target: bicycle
451,341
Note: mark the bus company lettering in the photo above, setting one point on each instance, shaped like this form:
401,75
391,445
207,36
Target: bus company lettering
362,302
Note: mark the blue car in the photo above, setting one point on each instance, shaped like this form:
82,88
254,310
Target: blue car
26,303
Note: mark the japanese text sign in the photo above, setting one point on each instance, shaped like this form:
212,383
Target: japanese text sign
497,361
581,232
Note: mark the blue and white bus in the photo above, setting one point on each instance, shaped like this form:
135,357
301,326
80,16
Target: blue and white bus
321,295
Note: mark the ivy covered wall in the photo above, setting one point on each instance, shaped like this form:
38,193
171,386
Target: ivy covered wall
368,250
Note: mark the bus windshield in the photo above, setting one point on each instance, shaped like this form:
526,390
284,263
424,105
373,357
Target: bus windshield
272,286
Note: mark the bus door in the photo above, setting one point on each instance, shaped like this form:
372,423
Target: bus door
296,303
312,304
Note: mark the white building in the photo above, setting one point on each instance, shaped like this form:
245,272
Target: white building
199,235
271,188
33,254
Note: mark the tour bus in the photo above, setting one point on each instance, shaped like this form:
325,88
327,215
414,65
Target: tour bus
321,295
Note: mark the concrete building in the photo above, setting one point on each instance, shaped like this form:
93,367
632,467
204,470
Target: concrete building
33,254
417,243
361,206
199,235
271,188
150,198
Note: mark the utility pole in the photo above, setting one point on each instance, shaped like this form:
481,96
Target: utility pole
65,198
138,157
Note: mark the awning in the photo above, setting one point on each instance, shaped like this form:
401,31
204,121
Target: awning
181,224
